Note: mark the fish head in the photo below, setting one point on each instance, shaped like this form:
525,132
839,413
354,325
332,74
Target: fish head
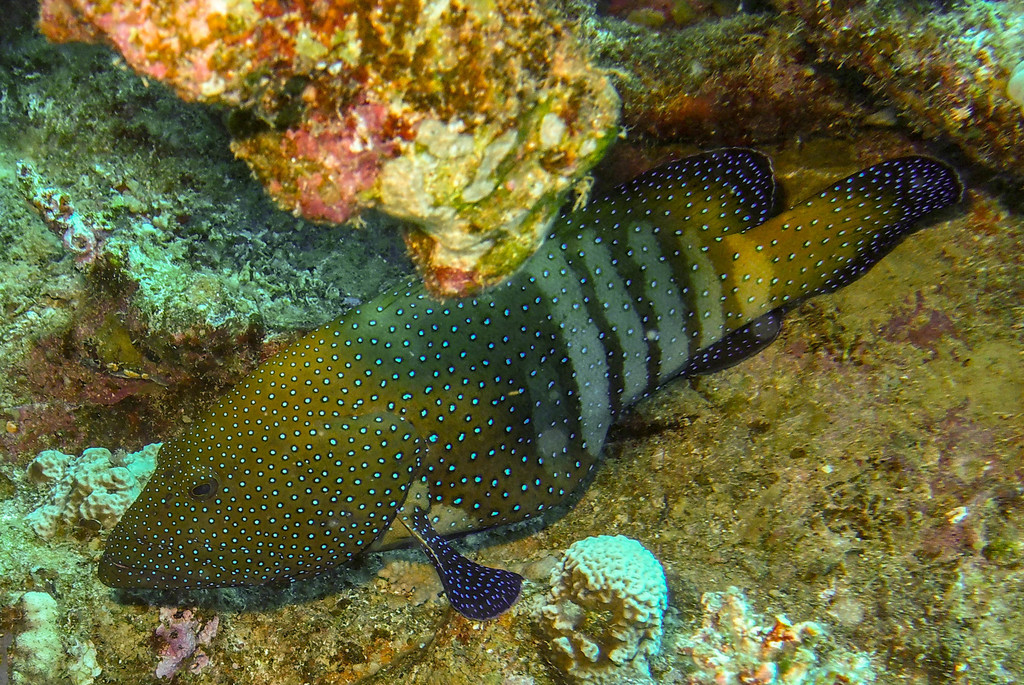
161,541
238,509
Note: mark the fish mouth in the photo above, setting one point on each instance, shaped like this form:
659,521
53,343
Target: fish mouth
116,570
118,575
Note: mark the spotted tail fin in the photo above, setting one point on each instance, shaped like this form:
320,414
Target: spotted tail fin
830,239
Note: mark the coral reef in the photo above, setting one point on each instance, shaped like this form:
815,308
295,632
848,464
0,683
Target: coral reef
603,615
735,646
863,471
83,668
90,492
404,107
667,14
191,268
32,644
945,71
806,68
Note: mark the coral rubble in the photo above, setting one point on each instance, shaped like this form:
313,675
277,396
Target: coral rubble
470,121
734,646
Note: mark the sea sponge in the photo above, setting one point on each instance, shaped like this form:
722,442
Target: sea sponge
603,615
91,491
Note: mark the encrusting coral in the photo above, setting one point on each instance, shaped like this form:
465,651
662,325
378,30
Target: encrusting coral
470,121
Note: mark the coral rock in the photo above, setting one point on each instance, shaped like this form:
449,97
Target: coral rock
736,646
944,72
470,121
38,652
181,636
91,491
604,612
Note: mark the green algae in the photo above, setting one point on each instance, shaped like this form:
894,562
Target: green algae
174,217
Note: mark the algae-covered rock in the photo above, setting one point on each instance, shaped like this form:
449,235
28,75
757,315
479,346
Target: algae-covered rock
471,120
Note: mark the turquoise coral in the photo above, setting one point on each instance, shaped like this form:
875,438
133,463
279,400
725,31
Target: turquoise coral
603,615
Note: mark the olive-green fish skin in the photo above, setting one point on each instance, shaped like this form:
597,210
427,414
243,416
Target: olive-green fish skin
492,409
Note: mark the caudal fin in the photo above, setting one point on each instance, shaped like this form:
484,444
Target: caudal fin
830,239
891,197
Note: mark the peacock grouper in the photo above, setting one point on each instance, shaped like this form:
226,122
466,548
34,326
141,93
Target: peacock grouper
456,416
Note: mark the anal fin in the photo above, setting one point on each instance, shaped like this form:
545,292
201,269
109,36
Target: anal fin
477,592
736,346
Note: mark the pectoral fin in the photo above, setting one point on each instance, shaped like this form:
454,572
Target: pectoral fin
477,592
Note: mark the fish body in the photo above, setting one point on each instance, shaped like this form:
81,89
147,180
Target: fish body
457,416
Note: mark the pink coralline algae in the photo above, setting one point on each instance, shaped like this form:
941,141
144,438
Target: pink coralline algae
181,636
470,121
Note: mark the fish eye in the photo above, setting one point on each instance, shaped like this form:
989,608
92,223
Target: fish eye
205,490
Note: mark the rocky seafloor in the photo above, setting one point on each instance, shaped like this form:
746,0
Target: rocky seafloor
860,478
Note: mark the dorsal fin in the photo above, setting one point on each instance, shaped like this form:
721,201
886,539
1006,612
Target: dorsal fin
721,192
